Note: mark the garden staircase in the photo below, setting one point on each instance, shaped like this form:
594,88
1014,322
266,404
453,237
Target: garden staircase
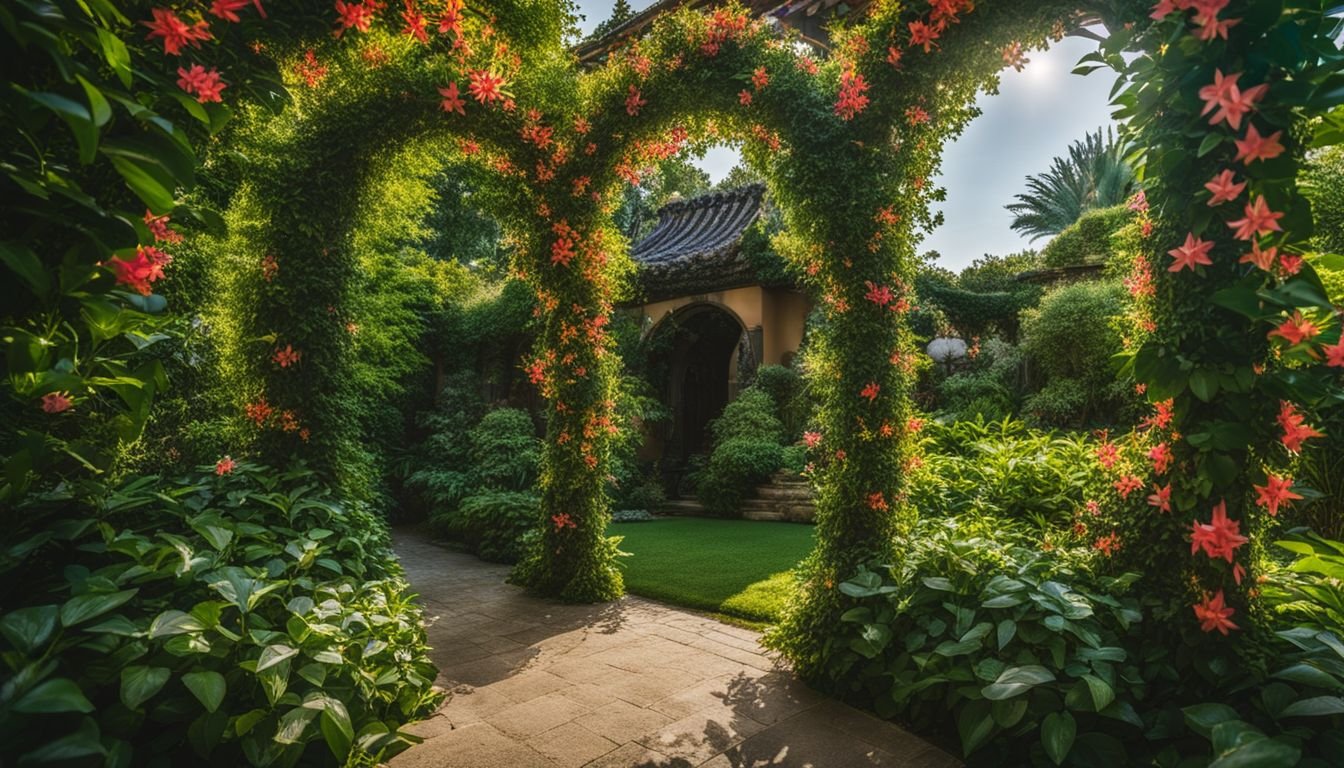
786,497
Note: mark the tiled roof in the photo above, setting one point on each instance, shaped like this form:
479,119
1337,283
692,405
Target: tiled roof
694,246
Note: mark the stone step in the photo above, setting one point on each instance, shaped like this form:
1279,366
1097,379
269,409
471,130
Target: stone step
688,507
784,493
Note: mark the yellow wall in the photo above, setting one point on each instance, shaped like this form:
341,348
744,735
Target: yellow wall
779,313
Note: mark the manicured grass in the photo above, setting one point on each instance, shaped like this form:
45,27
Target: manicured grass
736,567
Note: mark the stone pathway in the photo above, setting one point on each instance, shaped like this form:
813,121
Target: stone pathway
537,684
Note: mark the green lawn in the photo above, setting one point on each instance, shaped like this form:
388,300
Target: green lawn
735,567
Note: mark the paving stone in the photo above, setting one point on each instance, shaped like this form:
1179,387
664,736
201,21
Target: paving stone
537,715
622,721
638,756
472,746
528,685
571,745
698,737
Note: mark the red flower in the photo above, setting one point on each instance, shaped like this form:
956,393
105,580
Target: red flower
415,23
633,102
158,227
1296,329
563,521
1206,17
269,267
225,466
452,99
1107,455
1161,498
1291,264
1194,252
916,115
923,34
760,78
1295,429
744,97
1256,147
1264,259
1260,220
175,32
1220,537
871,391
1161,456
259,411
877,501
1108,545
356,16
485,86
1127,485
878,294
1334,354
56,402
287,356
851,100
1275,491
1232,103
197,81
451,21
228,9
913,425
812,439
311,71
1214,614
1223,188
142,269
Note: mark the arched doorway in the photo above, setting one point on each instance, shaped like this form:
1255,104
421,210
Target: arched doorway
699,357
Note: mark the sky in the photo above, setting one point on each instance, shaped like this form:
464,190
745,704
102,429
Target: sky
1035,116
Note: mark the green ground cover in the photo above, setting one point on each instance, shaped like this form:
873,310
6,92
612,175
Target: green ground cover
735,567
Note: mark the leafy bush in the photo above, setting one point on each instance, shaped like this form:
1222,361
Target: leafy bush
1008,471
735,468
505,452
788,390
646,495
437,474
248,619
989,390
1088,239
1071,336
493,523
752,414
980,629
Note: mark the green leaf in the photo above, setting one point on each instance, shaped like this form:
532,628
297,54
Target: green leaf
1261,753
207,686
84,607
173,622
1006,630
114,51
154,192
1204,384
1316,706
337,729
57,695
29,628
84,742
1203,717
1102,693
975,724
1016,680
139,683
76,116
293,724
24,263
274,654
98,106
1308,675
1058,731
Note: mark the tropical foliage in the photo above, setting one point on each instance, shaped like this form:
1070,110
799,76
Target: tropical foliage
1094,175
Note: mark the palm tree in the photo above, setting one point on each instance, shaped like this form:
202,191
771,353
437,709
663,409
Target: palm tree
1094,175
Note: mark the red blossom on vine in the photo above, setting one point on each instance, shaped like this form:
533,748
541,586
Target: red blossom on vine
1231,102
808,64
1290,263
562,250
175,32
562,520
142,269
851,100
916,115
287,356
1214,614
1206,18
56,402
744,97
1256,147
259,412
225,466
878,294
1218,538
485,86
1263,259
1161,419
922,34
1195,251
452,100
633,102
1224,188
356,16
760,78
1295,429
269,267
1276,492
1107,545
1127,485
1259,220
894,56
158,227
811,439
204,84
415,23
1107,455
870,391
451,20
228,9
1296,329
1161,457
1161,497
310,70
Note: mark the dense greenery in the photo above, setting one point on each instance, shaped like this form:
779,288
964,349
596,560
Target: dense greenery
1088,240
1093,176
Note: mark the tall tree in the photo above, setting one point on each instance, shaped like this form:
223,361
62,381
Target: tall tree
1093,175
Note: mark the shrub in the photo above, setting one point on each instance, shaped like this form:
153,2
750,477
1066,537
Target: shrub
1088,239
492,523
437,469
788,390
505,452
245,619
752,414
646,495
989,390
736,466
1071,336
